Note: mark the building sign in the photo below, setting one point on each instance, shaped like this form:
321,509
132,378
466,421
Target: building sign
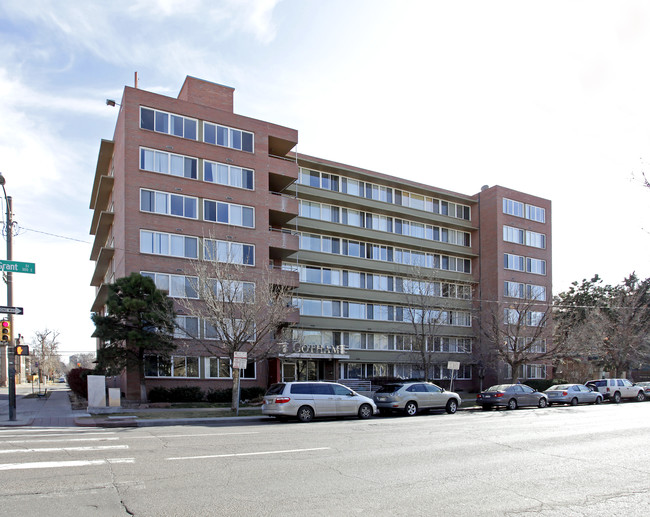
302,348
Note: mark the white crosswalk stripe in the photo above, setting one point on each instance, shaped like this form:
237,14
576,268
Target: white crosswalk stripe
61,464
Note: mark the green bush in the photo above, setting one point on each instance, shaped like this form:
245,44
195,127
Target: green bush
252,393
219,396
540,384
78,382
177,394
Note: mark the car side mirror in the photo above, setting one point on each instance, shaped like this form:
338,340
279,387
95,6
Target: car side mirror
351,394
442,390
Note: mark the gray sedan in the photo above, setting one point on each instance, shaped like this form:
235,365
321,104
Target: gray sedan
511,396
411,397
573,394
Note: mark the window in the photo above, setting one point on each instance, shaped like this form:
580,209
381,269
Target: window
185,366
228,213
511,207
168,123
219,368
186,327
168,163
177,286
535,213
168,204
536,240
228,137
511,234
535,318
157,366
230,175
536,292
232,291
230,252
158,243
536,266
515,262
513,289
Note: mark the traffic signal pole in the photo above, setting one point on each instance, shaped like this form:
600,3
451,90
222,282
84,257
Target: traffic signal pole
11,358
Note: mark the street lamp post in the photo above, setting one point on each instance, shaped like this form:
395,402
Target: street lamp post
11,370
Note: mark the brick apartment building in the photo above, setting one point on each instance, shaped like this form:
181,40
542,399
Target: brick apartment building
182,170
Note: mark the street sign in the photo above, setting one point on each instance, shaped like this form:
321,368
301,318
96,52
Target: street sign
11,266
11,310
239,360
453,365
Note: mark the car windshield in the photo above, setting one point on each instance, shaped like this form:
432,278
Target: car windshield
389,388
599,383
643,383
560,387
499,387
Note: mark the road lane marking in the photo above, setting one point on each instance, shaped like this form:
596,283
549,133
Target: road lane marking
63,464
48,435
107,439
66,449
287,451
191,435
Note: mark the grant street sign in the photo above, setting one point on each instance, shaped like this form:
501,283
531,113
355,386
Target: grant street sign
11,310
11,266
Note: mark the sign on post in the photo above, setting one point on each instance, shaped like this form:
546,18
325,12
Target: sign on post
11,266
453,365
239,360
11,310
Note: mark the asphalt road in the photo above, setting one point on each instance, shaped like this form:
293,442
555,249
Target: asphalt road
560,461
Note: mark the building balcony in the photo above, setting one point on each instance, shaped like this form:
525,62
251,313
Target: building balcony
101,266
100,298
282,173
282,209
101,231
282,244
103,184
284,278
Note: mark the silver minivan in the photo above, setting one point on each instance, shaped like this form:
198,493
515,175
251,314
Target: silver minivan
307,400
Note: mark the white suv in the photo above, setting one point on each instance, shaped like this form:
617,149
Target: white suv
617,389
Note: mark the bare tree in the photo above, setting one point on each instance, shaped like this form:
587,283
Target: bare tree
429,314
241,309
82,361
45,346
519,332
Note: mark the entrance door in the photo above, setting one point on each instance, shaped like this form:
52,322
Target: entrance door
288,372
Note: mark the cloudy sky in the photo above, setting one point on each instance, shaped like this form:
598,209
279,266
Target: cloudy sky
550,98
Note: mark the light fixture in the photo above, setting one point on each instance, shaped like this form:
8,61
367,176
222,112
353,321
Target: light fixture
111,102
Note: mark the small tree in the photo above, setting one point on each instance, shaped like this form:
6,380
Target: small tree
82,361
242,311
518,332
139,319
45,346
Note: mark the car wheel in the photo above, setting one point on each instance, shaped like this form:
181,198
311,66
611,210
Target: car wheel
365,411
574,401
598,400
411,408
512,404
640,397
452,406
542,403
617,397
486,407
305,414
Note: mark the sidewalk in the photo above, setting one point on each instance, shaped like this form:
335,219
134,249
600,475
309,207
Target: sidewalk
52,411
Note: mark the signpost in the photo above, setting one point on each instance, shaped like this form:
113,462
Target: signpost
239,360
11,266
454,366
11,310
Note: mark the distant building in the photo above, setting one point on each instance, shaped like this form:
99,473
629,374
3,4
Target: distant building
180,171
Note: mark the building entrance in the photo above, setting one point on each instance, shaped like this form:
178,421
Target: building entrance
307,370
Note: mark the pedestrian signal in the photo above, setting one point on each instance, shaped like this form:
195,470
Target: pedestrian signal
22,350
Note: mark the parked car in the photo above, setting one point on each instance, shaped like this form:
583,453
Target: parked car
411,397
307,400
573,394
617,389
511,396
646,388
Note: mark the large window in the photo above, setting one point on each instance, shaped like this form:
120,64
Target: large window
519,209
168,123
172,245
229,252
177,286
228,213
175,366
536,266
230,175
168,163
186,327
228,137
515,262
168,204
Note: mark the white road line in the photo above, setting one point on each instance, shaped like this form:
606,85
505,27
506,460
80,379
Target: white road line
191,435
63,464
51,430
23,435
249,454
66,449
108,438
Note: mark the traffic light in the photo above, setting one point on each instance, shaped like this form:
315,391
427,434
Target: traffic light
6,331
22,350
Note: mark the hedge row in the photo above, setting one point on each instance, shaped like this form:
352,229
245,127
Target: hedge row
196,394
77,380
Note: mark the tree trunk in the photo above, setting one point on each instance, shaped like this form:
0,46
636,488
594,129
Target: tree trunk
235,388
